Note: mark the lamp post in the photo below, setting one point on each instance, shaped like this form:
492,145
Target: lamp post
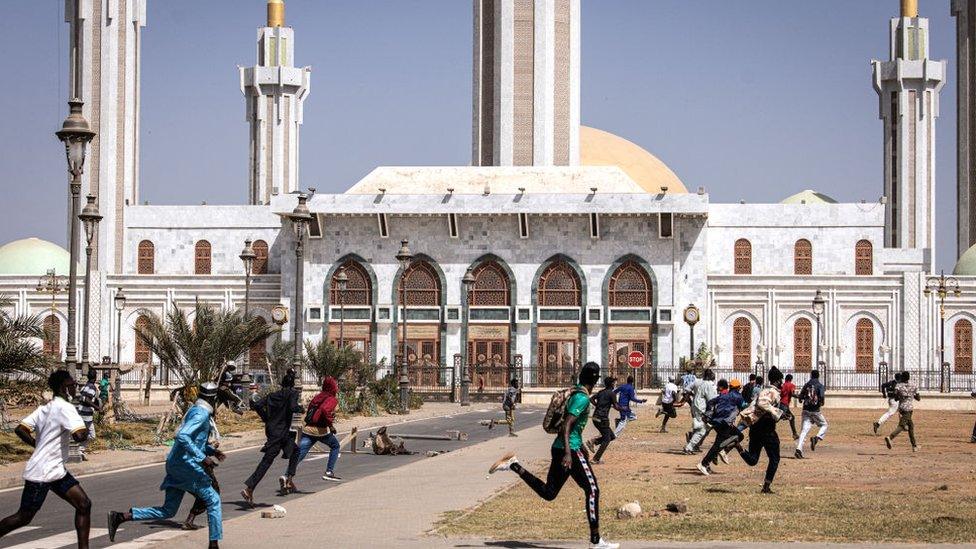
76,134
467,283
942,286
818,310
883,365
405,258
342,281
119,302
247,257
300,218
89,218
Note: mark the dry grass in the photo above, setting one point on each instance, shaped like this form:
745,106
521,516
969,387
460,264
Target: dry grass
852,489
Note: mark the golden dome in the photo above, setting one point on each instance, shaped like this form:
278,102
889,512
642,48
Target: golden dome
600,148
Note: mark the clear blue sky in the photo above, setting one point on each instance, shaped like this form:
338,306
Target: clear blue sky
753,99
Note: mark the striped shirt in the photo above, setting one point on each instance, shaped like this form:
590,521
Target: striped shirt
86,399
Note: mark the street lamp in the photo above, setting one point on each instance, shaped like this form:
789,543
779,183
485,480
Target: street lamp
942,286
342,281
247,256
818,310
76,134
405,258
300,218
883,365
89,218
119,306
467,281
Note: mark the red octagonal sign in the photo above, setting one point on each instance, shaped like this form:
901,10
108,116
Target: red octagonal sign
635,359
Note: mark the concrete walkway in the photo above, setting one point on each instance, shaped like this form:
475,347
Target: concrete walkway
11,475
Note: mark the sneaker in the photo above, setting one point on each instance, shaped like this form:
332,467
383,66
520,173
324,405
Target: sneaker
248,496
916,448
703,469
283,485
115,519
604,544
724,456
876,426
503,464
813,443
513,434
888,442
330,476
798,454
766,489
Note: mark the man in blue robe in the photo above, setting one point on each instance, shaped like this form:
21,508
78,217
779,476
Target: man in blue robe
185,470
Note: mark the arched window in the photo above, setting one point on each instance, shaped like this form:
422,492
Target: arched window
359,287
422,285
258,351
864,346
743,257
559,286
201,263
260,265
52,336
742,345
863,258
143,354
803,257
491,286
963,343
802,345
146,264
630,286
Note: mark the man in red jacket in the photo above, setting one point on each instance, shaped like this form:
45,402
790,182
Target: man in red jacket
322,429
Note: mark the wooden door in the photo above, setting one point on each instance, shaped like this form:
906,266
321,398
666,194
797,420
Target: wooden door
742,345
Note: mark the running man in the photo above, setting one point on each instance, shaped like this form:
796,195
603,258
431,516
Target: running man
625,395
603,402
888,390
48,429
319,427
669,401
761,416
704,391
812,397
725,408
569,458
907,394
276,411
509,401
186,471
786,399
87,404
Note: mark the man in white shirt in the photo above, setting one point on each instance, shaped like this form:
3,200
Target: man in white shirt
668,396
48,429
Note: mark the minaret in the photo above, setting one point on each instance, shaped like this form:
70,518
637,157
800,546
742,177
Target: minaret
111,46
965,13
275,92
909,85
526,109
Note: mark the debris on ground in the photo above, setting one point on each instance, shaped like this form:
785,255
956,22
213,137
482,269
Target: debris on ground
434,453
677,507
275,512
629,511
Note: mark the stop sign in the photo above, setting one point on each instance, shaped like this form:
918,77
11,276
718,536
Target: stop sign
635,359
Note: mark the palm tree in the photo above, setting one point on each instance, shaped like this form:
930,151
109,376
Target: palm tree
327,359
280,359
19,352
197,350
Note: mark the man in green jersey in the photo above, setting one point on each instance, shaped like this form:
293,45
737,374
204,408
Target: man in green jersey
569,457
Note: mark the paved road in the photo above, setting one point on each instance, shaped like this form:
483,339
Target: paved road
52,527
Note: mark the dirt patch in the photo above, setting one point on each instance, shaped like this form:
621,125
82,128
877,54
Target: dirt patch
852,489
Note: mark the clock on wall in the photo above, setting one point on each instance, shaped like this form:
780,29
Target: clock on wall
279,314
692,315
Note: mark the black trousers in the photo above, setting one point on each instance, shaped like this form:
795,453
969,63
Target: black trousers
606,436
762,436
722,432
581,472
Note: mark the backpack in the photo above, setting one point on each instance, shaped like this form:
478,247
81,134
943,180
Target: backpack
810,396
556,412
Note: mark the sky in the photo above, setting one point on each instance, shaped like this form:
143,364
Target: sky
753,100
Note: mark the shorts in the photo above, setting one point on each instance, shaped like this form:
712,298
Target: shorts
34,494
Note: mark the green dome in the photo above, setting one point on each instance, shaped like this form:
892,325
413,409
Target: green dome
808,197
966,266
33,257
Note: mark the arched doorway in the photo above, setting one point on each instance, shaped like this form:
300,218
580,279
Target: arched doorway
489,327
742,345
963,346
560,300
802,345
356,304
421,290
629,329
52,337
864,346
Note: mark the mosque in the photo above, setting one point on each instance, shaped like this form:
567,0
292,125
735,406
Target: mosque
559,244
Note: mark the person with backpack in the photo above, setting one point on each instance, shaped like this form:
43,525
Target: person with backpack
625,395
888,390
509,400
47,430
603,402
276,411
761,416
907,393
704,391
812,397
319,428
724,409
566,417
